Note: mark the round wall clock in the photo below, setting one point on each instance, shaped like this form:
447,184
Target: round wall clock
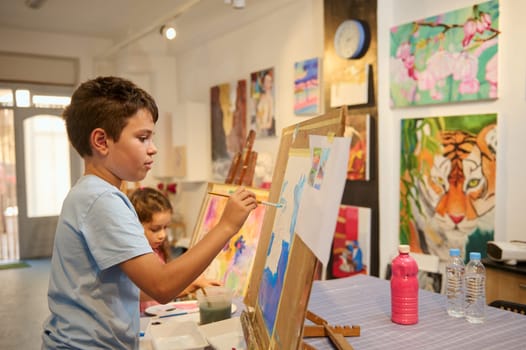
351,39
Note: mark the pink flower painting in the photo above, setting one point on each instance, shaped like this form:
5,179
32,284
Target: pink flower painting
446,58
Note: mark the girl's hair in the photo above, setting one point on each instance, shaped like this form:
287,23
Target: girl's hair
149,201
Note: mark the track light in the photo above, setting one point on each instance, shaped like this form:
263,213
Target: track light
238,4
168,31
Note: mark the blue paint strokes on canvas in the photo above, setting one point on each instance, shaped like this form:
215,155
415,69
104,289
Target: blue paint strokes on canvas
272,281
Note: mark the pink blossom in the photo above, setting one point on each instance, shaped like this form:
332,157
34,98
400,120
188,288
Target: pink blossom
484,22
469,86
404,53
470,28
486,18
491,76
404,50
465,67
426,80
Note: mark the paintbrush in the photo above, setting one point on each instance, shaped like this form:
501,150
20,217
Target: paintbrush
277,205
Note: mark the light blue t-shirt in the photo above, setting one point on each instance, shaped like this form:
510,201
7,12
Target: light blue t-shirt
93,304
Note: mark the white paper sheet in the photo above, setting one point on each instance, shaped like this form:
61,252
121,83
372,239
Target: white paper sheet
322,194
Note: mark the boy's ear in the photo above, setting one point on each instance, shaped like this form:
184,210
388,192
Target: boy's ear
99,141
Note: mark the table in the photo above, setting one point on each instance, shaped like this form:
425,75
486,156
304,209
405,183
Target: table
227,333
365,301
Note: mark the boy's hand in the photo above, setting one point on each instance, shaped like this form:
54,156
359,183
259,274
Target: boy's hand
200,282
237,209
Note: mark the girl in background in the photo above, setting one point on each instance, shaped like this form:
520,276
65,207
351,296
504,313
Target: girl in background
155,214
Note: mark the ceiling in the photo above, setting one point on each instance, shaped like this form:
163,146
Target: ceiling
123,20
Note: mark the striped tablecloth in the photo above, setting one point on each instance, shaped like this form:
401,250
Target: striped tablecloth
365,301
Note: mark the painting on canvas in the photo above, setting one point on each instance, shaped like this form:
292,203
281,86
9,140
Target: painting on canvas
307,87
447,183
351,86
233,265
228,124
351,252
357,126
450,57
262,102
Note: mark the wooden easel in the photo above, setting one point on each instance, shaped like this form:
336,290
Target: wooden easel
241,170
336,334
290,316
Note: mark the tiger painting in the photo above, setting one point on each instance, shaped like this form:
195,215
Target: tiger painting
452,197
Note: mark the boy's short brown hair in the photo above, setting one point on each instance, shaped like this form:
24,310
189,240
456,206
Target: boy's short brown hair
107,103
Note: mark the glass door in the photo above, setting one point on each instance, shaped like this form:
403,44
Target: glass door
8,201
45,168
37,168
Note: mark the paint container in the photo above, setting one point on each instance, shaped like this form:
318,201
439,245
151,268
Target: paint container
215,303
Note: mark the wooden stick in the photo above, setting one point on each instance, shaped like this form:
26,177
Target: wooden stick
337,339
312,331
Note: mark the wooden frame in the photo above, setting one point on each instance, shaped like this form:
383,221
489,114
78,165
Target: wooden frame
234,263
297,280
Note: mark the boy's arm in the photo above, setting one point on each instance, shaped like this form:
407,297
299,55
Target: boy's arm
164,282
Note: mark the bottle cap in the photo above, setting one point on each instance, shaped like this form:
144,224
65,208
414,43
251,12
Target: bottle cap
454,252
474,256
404,248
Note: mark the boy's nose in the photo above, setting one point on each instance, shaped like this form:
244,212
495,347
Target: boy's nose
152,149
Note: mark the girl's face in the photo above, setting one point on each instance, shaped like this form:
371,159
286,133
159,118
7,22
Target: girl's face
155,230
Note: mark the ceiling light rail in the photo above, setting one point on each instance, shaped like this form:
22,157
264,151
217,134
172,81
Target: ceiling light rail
151,28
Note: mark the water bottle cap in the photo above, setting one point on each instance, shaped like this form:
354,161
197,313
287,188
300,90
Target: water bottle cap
474,256
404,248
454,252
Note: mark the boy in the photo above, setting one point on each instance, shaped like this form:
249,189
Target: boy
101,257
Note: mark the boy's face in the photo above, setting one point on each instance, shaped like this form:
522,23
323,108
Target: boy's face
155,230
130,158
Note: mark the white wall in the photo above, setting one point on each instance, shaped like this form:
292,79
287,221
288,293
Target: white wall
83,48
510,107
293,33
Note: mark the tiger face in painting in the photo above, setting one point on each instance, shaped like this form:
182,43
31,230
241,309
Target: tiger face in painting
457,194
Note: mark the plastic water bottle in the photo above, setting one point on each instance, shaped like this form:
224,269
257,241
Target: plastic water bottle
404,287
475,281
455,284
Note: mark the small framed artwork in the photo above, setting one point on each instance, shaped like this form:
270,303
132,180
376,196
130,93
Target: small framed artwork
307,87
352,86
233,265
357,126
228,124
262,102
351,251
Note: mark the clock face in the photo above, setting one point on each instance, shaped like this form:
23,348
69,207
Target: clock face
350,39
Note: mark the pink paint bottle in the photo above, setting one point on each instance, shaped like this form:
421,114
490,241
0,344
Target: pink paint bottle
404,288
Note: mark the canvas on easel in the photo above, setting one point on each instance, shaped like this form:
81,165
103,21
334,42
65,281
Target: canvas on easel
232,266
284,267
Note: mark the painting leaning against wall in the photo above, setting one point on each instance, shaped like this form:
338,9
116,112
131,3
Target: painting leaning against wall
228,106
451,57
447,183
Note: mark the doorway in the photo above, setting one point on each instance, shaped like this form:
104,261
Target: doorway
39,167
